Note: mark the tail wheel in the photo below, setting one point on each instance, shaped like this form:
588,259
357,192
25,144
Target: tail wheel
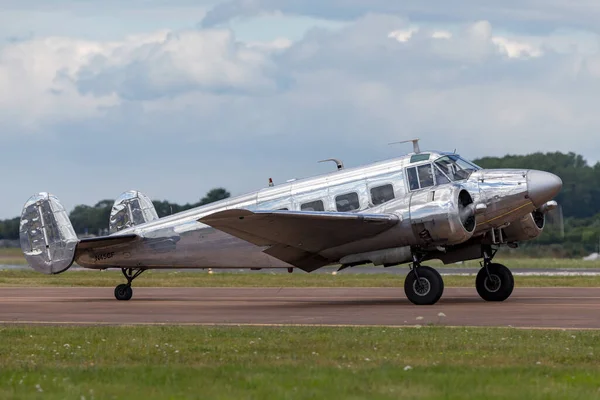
494,282
427,289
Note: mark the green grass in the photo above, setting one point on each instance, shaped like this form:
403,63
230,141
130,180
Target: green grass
11,256
20,278
297,363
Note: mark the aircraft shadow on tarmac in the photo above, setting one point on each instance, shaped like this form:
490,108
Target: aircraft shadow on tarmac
238,302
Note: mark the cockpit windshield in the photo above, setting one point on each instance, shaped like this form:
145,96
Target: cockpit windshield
455,167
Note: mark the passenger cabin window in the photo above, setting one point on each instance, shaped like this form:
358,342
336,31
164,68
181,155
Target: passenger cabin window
313,206
347,202
382,194
420,177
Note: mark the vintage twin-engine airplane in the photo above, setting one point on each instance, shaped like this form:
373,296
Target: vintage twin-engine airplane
425,205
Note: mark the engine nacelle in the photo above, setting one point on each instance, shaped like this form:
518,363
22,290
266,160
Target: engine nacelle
443,216
130,209
528,227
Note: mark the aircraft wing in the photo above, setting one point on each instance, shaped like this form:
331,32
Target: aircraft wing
297,237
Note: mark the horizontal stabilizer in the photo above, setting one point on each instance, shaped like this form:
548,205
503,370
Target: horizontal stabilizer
105,241
297,237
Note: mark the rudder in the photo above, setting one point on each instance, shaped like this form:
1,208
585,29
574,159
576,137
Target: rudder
47,237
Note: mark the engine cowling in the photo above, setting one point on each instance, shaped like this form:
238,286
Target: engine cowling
443,216
528,227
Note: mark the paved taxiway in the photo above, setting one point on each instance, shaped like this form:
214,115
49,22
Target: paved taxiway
528,307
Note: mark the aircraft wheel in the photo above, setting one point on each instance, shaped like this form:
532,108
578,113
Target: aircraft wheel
427,290
123,292
498,285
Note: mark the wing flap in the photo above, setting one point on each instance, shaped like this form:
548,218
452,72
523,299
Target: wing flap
298,237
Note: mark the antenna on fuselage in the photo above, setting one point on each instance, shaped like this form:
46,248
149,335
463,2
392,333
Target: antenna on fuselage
338,163
415,143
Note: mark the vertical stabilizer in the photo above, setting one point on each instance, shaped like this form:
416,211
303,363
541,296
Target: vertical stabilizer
132,208
48,239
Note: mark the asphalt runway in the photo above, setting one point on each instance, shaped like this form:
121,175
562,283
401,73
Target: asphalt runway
528,307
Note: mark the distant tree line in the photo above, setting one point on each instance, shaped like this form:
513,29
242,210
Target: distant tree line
94,219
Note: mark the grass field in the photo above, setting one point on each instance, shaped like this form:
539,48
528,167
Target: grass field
111,278
12,256
297,363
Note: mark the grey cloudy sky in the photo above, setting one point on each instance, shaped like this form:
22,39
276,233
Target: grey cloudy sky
176,97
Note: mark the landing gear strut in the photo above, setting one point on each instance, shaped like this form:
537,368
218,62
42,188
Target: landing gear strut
124,291
494,281
423,285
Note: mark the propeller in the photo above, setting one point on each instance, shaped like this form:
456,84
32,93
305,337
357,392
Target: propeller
555,220
467,210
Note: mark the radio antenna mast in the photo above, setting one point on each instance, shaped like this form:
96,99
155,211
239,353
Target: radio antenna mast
338,163
415,143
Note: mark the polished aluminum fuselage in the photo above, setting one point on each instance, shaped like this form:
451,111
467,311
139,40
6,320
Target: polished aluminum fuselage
180,241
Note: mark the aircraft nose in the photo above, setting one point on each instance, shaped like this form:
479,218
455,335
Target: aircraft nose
542,186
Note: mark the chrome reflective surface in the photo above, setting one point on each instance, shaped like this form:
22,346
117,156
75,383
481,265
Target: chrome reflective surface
542,186
428,218
47,237
130,209
436,216
526,228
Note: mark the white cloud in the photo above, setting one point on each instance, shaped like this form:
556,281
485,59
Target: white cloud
175,113
479,32
176,63
32,92
515,49
536,14
274,45
441,35
403,35
58,79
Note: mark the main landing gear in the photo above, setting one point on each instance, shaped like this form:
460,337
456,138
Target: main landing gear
423,285
124,291
494,282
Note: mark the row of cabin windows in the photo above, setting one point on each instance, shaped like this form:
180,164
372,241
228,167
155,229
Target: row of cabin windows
419,177
350,202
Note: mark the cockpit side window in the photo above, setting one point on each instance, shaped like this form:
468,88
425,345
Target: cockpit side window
455,167
440,178
425,175
420,177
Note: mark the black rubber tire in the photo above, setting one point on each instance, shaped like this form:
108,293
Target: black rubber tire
432,278
123,292
488,291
